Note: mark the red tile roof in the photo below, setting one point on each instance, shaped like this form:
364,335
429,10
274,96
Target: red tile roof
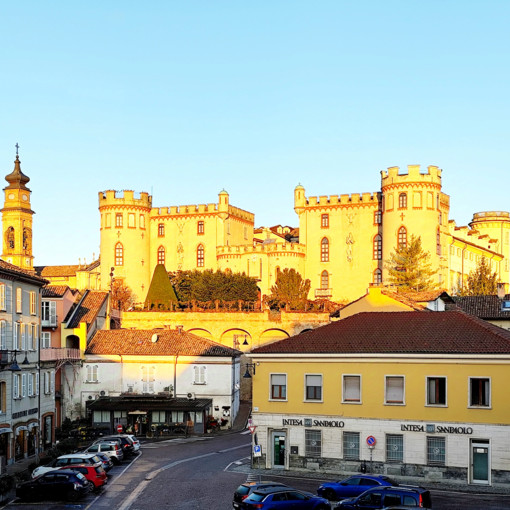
55,291
398,332
170,342
11,268
88,309
484,307
65,270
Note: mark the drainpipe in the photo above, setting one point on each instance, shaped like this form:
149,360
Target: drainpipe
121,372
175,375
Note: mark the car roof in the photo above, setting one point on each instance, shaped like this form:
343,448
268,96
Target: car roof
268,482
77,455
400,488
273,489
65,471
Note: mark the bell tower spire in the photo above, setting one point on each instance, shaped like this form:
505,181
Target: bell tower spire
17,217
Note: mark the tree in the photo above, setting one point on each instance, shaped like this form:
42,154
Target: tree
161,293
481,282
289,291
409,267
122,297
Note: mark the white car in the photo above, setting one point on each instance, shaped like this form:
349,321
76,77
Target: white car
67,460
136,442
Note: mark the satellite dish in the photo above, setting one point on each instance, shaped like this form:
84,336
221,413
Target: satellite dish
154,338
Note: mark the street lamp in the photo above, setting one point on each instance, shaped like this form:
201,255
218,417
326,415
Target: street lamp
247,374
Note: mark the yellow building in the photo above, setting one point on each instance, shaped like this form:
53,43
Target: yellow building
429,387
341,244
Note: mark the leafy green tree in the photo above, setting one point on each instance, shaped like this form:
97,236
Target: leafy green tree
409,267
289,291
161,294
481,281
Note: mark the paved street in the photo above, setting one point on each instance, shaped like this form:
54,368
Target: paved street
199,473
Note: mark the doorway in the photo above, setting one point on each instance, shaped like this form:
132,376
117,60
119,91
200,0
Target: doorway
480,461
278,449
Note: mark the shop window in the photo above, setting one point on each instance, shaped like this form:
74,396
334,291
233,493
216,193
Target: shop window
313,443
402,238
351,445
119,254
394,448
351,389
199,373
200,228
324,280
479,392
436,391
402,200
313,387
324,250
377,248
324,220
279,386
159,417
377,277
161,255
436,448
200,256
161,230
394,390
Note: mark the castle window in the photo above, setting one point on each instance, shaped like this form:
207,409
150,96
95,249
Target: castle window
402,238
200,228
200,256
324,280
131,220
377,217
161,230
9,238
161,255
118,220
119,254
402,200
142,221
325,221
377,277
245,230
440,218
377,247
438,242
324,250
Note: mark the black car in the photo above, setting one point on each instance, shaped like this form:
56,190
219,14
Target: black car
62,484
382,497
245,489
125,441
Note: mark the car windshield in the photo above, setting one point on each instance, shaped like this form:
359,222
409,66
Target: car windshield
391,481
242,489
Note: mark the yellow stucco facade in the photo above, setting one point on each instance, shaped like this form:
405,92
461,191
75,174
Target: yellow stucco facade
342,245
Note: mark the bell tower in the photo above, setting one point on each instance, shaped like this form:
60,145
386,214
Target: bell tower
17,217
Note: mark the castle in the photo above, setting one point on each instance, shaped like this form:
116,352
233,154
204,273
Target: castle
341,244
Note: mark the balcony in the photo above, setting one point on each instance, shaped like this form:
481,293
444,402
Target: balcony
323,293
60,353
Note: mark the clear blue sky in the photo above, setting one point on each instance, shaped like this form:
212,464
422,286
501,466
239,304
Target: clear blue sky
182,99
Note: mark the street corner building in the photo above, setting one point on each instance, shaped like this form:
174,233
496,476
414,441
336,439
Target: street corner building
416,394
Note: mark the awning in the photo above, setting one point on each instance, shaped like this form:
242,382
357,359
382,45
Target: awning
20,428
137,404
5,430
137,412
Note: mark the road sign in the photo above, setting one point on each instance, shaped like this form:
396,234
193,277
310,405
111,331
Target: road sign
252,428
119,428
371,440
257,450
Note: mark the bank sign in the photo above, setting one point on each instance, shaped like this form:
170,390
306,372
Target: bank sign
308,422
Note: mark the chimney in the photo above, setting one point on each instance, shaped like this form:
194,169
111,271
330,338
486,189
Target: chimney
179,328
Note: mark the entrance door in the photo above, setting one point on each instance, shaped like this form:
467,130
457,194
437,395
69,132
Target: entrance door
480,462
279,450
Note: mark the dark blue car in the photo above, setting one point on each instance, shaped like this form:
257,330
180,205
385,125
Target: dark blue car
277,498
353,486
382,497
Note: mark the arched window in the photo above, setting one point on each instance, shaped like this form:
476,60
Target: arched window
161,230
324,280
161,255
438,242
119,254
402,237
402,200
9,237
324,250
377,247
200,256
377,278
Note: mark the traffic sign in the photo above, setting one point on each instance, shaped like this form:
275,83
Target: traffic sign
371,441
252,428
119,428
257,450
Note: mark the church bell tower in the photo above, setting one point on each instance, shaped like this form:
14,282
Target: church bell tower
17,217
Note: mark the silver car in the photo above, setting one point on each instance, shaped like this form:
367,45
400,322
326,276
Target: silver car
110,448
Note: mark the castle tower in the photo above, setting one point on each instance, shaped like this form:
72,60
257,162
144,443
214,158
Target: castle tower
125,240
413,204
17,219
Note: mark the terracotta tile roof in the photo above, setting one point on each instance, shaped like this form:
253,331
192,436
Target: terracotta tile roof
87,310
54,291
49,271
484,307
426,296
11,268
170,342
451,332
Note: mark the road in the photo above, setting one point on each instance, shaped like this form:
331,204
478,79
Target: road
200,473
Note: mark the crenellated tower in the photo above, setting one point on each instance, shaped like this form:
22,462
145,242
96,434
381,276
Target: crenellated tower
17,217
125,239
414,204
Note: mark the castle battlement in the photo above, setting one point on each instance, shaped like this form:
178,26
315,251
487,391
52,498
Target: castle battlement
124,198
261,248
491,216
200,209
414,174
354,198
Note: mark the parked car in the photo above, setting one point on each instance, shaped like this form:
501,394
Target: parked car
284,498
107,462
381,497
125,442
353,486
66,460
111,448
245,489
96,475
136,442
61,484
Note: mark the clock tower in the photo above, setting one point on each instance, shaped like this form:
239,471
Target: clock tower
17,218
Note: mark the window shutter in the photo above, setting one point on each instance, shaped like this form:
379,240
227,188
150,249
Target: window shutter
15,386
52,382
2,296
23,385
37,383
352,388
278,379
23,336
53,313
394,389
3,335
30,385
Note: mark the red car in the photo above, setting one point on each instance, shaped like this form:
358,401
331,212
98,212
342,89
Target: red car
96,475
